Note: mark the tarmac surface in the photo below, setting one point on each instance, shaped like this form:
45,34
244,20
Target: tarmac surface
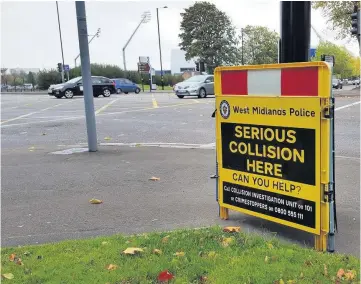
45,195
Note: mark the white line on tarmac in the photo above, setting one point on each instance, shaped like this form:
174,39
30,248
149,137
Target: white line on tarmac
349,105
104,114
106,106
349,158
28,114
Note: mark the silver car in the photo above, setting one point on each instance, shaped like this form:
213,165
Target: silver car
199,85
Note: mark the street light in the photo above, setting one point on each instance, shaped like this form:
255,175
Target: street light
61,41
96,35
160,49
145,18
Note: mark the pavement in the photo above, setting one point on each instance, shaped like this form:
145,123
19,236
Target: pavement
45,192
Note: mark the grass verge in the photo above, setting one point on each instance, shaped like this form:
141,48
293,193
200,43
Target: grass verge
192,256
159,88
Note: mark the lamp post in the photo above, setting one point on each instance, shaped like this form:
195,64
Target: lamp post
144,19
96,35
160,49
61,42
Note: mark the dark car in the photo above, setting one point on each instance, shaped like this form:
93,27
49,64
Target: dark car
336,83
74,87
125,86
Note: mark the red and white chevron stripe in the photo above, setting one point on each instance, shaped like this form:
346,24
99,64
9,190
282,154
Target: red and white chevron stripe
270,82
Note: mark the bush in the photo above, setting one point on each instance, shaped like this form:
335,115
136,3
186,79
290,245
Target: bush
48,77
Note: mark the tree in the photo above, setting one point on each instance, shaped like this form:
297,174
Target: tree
15,77
338,14
31,78
47,78
208,34
260,45
344,61
356,67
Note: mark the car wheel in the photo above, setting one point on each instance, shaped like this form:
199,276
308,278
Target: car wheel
341,87
69,94
202,93
106,93
180,96
126,93
137,90
119,91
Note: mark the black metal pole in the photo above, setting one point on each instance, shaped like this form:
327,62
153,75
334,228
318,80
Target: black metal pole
160,53
295,31
61,42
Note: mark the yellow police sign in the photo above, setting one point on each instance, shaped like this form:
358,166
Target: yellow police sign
269,129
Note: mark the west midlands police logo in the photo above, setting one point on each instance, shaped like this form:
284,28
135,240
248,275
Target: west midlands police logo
225,109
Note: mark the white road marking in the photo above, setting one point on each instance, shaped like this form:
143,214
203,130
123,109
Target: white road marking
349,105
106,106
104,114
29,114
346,157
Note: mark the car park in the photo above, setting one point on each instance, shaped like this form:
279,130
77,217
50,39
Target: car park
74,87
125,86
199,85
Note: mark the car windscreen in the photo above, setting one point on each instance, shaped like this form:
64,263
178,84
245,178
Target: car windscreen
196,79
74,80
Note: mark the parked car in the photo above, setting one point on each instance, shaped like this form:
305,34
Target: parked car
125,86
356,82
28,87
199,85
74,87
336,83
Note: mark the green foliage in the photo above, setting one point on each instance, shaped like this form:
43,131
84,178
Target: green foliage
31,78
47,78
338,15
260,45
208,34
344,61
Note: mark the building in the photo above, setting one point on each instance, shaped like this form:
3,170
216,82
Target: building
165,72
178,62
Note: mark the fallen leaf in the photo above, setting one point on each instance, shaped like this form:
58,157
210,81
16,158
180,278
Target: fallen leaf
27,253
165,276
212,254
179,253
266,259
227,241
133,250
274,258
157,251
107,138
301,275
154,179
12,257
291,281
112,267
8,275
203,279
340,273
270,246
350,275
308,263
95,201
19,262
232,229
105,243
325,272
281,281
165,239
128,241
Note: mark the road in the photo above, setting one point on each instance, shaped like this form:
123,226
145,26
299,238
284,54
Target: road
44,196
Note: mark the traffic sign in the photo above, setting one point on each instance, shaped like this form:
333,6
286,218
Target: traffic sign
66,68
143,68
273,142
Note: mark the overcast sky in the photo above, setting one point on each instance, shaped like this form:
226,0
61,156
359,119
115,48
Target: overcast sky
30,36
